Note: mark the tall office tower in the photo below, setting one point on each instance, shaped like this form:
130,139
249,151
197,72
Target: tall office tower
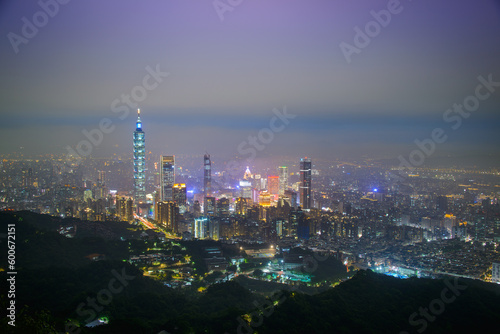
179,193
273,184
241,206
167,177
207,175
256,182
156,200
196,209
305,183
292,198
101,178
100,190
450,224
209,206
223,207
283,179
168,215
139,161
248,174
200,228
214,228
124,209
245,189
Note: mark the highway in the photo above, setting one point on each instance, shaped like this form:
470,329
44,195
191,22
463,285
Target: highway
145,222
152,226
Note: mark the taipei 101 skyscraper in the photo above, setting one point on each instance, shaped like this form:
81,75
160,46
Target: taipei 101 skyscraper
139,161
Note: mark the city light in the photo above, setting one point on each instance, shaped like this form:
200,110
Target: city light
302,167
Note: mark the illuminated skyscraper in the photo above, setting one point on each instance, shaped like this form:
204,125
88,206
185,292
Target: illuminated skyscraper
179,193
245,189
167,177
139,161
200,228
209,206
100,189
168,215
305,183
241,206
124,209
207,176
273,184
248,174
283,179
223,207
101,178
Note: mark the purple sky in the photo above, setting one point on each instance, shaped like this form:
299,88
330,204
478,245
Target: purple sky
227,76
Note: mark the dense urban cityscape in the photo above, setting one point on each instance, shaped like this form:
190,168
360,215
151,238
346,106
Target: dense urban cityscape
249,167
422,222
278,224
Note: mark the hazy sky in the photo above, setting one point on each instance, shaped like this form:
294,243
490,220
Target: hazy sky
226,76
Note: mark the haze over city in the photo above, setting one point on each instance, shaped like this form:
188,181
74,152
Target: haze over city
226,76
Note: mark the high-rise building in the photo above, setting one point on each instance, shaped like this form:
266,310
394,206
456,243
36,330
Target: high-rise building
214,228
283,179
256,182
124,209
207,175
291,197
273,184
179,193
100,189
305,183
297,226
245,189
101,178
209,206
248,174
139,161
167,177
168,215
200,228
450,222
196,209
156,200
223,207
241,206
265,198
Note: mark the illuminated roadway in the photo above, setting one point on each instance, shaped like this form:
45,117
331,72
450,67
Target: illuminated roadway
152,226
145,222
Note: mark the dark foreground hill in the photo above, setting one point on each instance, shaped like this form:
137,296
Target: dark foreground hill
57,286
374,303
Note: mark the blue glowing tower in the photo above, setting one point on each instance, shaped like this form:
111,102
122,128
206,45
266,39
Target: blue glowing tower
139,161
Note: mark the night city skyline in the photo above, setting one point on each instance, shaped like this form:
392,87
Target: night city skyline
250,166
